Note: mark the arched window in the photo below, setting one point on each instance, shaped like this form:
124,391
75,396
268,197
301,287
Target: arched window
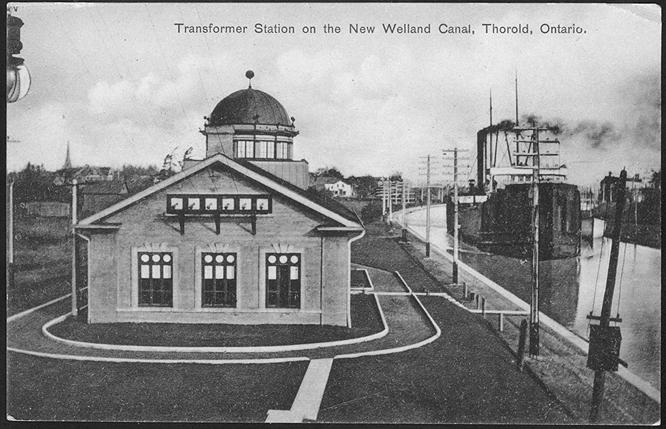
283,280
155,279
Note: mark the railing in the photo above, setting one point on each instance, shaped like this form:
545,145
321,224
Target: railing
480,302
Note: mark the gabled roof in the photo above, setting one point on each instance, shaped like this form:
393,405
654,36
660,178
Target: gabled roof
326,207
310,194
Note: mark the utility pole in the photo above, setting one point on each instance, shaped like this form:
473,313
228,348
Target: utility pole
605,340
75,310
390,202
428,207
456,226
534,307
404,207
384,198
455,215
10,236
428,174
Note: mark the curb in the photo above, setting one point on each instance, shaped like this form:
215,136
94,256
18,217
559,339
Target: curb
202,349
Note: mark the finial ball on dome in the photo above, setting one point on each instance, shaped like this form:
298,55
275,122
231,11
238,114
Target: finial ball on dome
249,74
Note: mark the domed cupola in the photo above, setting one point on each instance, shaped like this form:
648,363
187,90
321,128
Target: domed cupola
252,125
249,106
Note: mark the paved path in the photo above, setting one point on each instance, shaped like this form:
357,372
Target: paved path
309,396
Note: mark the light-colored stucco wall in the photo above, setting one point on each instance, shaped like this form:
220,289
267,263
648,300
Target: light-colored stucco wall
289,228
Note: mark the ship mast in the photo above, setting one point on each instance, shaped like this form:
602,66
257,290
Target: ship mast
516,80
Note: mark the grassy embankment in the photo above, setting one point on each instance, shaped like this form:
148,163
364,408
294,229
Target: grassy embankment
42,262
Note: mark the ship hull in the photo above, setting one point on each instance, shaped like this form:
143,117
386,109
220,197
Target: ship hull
502,224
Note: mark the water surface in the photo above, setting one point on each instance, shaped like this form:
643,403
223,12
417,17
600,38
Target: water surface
571,288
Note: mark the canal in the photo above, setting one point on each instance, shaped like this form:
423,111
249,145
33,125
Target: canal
571,288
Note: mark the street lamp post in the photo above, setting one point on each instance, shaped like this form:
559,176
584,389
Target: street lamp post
18,76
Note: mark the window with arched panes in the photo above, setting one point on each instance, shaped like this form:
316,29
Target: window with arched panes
218,279
283,280
155,279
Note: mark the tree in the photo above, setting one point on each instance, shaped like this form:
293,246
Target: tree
329,172
396,176
129,171
365,185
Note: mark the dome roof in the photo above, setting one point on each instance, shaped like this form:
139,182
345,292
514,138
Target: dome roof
241,107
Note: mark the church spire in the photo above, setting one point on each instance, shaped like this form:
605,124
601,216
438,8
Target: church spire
68,161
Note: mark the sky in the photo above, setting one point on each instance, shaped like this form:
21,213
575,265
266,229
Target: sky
122,86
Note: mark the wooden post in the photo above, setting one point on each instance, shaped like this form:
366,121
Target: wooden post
75,308
483,307
604,321
521,344
464,290
455,215
428,208
390,203
404,208
501,321
384,198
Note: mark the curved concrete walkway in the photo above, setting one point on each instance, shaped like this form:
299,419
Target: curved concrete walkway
409,326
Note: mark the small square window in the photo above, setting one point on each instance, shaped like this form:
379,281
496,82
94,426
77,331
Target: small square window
211,203
245,204
176,203
227,203
262,203
193,203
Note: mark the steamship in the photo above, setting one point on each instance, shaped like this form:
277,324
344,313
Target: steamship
495,215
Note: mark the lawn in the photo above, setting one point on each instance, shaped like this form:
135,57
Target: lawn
365,321
52,389
359,280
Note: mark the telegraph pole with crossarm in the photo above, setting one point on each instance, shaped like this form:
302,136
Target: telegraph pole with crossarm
456,226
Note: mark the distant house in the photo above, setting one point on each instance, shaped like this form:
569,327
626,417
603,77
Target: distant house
608,188
340,189
609,185
84,174
100,195
337,187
